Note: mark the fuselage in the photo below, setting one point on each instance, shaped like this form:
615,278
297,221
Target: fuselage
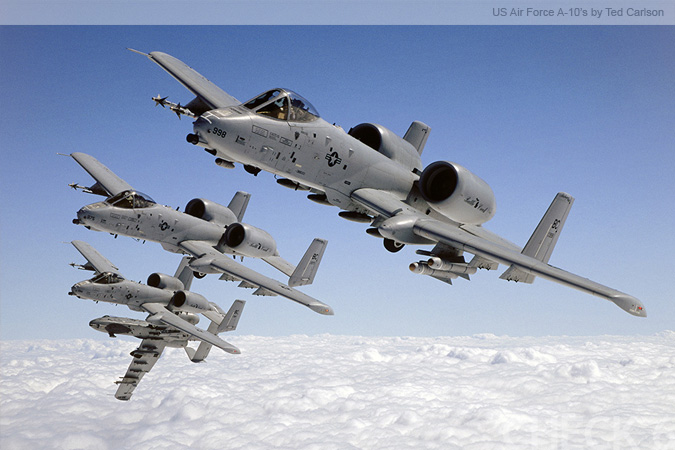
313,153
172,337
148,221
111,288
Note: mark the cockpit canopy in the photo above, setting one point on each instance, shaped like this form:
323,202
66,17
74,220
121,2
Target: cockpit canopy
107,278
131,199
283,104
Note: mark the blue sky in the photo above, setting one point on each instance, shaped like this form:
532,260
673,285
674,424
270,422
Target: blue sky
531,110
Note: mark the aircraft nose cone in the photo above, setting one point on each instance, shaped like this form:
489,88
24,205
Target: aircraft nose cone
202,128
81,290
76,289
85,216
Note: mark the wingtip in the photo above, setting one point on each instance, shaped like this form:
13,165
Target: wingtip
322,309
629,304
137,51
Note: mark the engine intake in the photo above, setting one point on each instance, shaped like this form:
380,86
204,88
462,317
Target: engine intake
210,211
388,143
249,241
457,193
164,281
189,302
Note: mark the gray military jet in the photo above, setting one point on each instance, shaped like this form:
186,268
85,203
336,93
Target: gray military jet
173,314
375,177
206,230
155,338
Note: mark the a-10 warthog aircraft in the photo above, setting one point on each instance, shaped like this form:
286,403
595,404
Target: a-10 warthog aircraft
375,177
206,230
173,313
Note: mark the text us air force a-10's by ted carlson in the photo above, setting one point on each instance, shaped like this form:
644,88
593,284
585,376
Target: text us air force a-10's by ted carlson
577,12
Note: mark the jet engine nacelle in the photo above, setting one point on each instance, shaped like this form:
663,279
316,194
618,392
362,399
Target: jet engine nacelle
456,193
189,302
210,211
250,241
164,281
388,143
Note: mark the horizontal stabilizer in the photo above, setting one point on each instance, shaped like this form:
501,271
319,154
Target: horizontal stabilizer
306,270
215,315
280,264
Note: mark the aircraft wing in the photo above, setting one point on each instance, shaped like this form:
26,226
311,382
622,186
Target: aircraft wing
216,261
208,94
159,313
436,230
107,183
490,248
95,261
145,357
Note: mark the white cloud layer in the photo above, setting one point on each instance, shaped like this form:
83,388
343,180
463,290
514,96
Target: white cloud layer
345,392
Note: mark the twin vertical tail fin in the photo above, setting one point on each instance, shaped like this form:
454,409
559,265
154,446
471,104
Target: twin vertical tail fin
417,135
225,322
239,203
543,240
306,269
231,319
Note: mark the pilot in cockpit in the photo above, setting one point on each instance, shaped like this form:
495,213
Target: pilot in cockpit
282,104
